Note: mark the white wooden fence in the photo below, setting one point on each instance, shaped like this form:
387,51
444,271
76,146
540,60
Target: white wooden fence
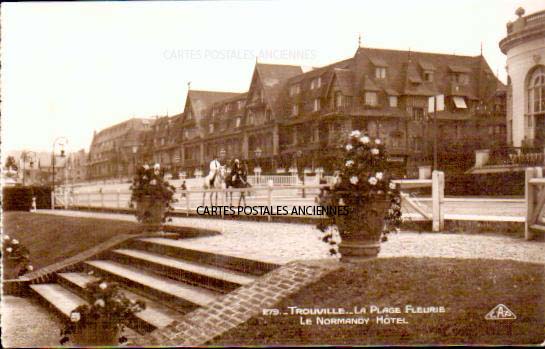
535,201
271,194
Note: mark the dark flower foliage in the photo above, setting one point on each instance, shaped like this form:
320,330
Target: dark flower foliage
150,183
362,180
15,252
108,308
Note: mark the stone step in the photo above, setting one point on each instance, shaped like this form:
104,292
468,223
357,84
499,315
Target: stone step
153,317
181,295
183,250
212,277
63,300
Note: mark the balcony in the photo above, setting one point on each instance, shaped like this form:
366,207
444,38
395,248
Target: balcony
523,29
507,159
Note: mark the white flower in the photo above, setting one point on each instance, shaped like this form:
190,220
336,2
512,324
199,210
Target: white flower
153,182
30,267
354,180
349,163
100,303
377,141
156,167
341,202
146,167
9,249
373,181
364,139
392,185
349,147
355,133
6,237
374,151
103,285
379,175
75,316
15,241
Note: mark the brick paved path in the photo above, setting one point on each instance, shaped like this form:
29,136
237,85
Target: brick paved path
284,242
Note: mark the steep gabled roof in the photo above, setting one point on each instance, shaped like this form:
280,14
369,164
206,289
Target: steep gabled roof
273,78
345,81
406,66
201,100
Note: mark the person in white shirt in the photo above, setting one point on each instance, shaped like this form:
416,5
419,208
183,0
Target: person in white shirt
215,165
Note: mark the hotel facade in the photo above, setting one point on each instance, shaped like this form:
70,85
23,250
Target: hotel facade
290,120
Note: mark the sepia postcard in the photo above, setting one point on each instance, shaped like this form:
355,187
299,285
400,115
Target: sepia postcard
272,173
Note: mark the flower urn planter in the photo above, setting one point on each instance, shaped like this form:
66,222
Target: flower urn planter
361,231
96,334
12,267
152,212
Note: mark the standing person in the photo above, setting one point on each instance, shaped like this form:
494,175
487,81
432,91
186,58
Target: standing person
183,187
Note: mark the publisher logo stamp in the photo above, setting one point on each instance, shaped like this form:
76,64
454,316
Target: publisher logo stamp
500,312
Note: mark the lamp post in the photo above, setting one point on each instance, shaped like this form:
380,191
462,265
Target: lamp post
62,141
257,169
298,155
134,151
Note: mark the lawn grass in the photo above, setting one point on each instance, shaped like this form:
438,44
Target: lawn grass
468,289
52,238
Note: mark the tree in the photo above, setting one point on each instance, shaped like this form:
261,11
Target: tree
11,163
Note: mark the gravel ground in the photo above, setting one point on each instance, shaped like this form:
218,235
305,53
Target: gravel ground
284,242
26,323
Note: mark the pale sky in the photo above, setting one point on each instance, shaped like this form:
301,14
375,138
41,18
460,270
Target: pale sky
71,68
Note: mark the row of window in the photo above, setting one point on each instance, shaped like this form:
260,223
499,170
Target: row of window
315,83
380,74
370,99
238,105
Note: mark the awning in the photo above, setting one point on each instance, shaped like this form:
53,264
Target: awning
460,102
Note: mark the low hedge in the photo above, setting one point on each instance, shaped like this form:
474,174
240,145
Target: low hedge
20,198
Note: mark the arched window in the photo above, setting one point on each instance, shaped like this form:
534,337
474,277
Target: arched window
536,92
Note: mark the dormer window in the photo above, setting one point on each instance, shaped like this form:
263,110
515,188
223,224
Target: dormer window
371,99
380,73
295,90
428,76
316,83
463,79
392,101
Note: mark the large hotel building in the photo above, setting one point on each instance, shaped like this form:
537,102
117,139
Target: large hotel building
293,119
